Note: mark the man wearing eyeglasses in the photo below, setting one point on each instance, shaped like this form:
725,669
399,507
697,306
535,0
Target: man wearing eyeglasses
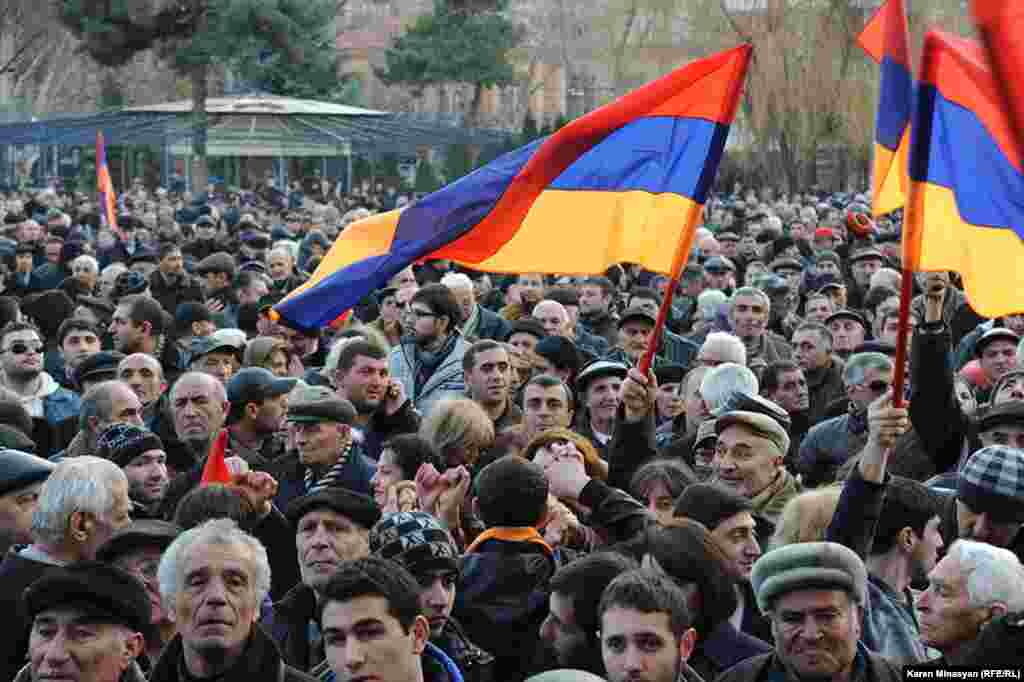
21,359
830,443
428,362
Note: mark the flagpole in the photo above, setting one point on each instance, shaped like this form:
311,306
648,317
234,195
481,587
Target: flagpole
679,260
910,247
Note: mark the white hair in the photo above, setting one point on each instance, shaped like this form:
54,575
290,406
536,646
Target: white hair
290,247
859,364
86,259
728,346
562,312
77,484
280,251
719,384
221,532
709,301
992,574
774,222
115,269
808,214
457,280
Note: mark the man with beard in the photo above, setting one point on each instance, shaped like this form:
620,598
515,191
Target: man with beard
21,359
830,443
138,327
571,630
812,343
813,593
428,362
331,527
383,410
893,525
596,314
646,629
488,372
749,311
599,385
255,421
141,456
169,284
421,544
215,577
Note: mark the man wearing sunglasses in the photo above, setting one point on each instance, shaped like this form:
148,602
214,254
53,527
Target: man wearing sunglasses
21,359
830,443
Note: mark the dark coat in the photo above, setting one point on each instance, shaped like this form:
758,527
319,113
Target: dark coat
16,573
476,664
292,615
723,648
172,294
824,386
381,427
602,324
261,661
491,325
290,475
768,667
502,599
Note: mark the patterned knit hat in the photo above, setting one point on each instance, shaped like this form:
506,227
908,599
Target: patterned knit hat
992,481
121,443
415,540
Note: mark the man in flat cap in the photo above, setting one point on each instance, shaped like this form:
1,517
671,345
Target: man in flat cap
328,455
332,526
88,621
21,477
749,460
136,549
813,593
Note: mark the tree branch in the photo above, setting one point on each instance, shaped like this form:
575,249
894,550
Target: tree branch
10,66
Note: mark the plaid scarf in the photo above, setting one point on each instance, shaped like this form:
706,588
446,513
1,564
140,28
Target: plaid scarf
332,477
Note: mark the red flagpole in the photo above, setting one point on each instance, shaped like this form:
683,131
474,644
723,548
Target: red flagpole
682,255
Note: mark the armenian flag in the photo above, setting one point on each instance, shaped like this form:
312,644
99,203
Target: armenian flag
104,185
966,203
1001,25
626,182
885,39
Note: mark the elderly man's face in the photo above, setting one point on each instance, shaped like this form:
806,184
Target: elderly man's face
65,644
553,318
816,632
144,563
217,604
847,334
745,461
818,309
946,617
198,409
466,299
324,540
143,373
319,443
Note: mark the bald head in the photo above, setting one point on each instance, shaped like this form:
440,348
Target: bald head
553,316
144,374
199,405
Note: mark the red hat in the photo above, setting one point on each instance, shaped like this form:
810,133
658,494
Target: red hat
824,232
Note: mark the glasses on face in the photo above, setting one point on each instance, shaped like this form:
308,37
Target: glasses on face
23,348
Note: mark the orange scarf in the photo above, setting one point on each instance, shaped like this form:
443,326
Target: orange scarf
511,534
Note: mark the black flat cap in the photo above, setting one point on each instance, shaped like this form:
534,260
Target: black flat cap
527,325
669,374
104,592
355,506
100,366
319,404
994,334
20,469
846,314
217,262
137,535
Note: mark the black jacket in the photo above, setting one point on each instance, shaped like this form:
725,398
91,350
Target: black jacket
16,573
491,325
261,662
292,615
172,294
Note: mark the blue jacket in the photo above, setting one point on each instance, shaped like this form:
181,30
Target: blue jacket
491,325
290,475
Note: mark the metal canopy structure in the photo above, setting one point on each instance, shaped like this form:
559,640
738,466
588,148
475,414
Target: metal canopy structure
253,125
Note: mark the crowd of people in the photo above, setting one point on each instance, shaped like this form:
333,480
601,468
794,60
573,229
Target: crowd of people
469,478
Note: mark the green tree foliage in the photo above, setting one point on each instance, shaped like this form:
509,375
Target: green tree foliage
458,43
457,163
194,35
426,177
